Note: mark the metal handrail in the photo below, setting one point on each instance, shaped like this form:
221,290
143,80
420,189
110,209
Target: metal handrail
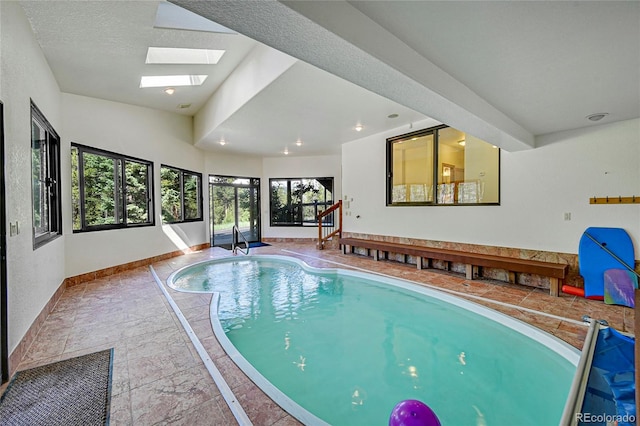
579,384
325,233
234,241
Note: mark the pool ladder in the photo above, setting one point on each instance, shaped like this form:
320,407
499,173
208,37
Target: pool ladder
235,241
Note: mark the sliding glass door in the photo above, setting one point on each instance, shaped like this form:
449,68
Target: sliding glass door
234,201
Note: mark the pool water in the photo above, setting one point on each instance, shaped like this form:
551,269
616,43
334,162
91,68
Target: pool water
348,346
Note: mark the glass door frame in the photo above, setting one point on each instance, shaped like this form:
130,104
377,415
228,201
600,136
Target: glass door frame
253,183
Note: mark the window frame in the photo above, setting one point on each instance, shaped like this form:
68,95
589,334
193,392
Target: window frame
52,181
82,149
302,224
389,172
184,172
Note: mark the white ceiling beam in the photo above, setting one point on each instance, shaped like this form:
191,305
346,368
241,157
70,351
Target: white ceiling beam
262,66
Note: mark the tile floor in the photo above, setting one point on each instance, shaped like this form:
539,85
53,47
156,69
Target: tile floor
158,376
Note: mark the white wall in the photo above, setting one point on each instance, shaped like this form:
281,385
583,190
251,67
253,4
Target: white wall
233,165
33,275
158,136
280,167
296,167
537,187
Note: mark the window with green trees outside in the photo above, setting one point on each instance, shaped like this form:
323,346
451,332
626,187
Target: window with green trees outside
181,192
109,190
297,202
45,179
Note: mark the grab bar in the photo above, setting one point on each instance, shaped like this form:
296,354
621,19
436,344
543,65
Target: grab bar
234,241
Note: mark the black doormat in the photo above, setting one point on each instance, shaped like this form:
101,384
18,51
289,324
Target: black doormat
75,391
258,244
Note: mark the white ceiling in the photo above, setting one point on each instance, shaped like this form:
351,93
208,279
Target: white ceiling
503,71
98,49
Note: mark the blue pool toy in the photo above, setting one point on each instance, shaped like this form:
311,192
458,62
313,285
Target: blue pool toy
601,249
412,412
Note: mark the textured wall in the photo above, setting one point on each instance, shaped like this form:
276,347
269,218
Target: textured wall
33,275
158,136
537,188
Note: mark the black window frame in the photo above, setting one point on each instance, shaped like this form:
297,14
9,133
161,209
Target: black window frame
51,185
389,172
184,172
82,149
301,222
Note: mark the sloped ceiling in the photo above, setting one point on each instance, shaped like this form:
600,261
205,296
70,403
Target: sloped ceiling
503,71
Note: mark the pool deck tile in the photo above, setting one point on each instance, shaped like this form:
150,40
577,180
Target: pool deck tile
158,376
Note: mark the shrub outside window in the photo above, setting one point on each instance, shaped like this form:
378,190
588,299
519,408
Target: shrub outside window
181,192
297,202
45,179
442,166
109,190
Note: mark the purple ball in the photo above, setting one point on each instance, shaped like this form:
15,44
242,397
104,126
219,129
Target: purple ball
411,412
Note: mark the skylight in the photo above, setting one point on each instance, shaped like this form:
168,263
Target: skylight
172,16
171,80
170,55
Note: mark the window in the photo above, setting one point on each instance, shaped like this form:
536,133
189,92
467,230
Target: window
442,166
109,190
297,202
45,179
181,195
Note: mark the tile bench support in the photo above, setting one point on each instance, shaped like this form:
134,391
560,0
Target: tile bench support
554,287
472,271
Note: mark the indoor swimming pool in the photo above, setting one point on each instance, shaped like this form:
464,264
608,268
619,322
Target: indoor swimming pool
342,347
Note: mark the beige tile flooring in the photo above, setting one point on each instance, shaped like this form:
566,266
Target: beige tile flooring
158,376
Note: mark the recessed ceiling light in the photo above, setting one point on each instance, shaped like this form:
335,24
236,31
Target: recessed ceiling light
597,116
169,90
222,142
299,142
171,80
358,127
172,55
286,151
392,116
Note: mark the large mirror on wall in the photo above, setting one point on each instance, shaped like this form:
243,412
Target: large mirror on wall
442,166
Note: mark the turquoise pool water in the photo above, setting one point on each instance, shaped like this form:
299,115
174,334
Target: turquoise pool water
346,347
